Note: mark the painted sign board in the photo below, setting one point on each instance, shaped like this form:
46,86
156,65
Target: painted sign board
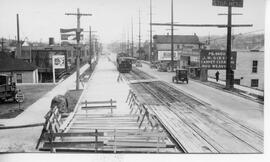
166,55
58,61
19,97
216,59
232,3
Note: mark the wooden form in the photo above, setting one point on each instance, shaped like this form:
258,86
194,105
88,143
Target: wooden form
108,133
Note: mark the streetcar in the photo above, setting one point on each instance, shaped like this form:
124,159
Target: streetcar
124,62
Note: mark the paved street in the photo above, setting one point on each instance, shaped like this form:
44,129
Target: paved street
239,108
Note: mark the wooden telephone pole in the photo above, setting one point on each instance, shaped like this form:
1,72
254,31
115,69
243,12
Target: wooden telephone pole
151,44
139,34
18,38
172,43
2,44
132,41
90,45
78,14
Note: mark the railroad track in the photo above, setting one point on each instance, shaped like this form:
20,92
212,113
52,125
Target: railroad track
206,130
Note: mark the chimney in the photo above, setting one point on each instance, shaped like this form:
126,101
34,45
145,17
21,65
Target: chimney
51,41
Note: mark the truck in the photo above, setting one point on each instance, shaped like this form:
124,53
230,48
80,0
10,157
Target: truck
8,89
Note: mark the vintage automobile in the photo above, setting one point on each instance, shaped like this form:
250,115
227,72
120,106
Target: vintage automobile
181,75
8,89
154,64
162,66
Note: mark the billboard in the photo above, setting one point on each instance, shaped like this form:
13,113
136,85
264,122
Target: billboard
166,55
232,3
216,59
58,61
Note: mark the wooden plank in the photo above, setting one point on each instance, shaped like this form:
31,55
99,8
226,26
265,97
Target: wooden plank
109,149
141,134
106,138
104,116
106,122
81,144
184,135
132,144
98,107
82,134
99,127
219,138
98,102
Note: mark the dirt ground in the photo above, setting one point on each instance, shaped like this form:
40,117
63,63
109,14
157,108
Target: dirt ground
32,93
72,97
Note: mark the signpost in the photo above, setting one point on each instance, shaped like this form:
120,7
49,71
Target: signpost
216,59
58,62
227,3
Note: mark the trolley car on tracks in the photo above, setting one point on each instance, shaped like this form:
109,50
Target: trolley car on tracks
124,62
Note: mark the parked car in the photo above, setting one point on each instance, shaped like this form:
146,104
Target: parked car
8,89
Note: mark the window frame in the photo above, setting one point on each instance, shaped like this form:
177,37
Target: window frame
252,83
255,66
17,78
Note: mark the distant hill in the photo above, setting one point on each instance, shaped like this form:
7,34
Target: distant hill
242,42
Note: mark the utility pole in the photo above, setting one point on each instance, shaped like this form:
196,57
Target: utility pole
128,50
139,34
18,38
229,72
172,43
90,48
150,47
78,14
2,44
90,45
132,42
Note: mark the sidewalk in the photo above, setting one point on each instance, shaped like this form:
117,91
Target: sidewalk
35,113
243,88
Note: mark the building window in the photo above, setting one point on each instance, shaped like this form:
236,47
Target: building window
237,81
254,66
69,53
19,78
254,82
178,46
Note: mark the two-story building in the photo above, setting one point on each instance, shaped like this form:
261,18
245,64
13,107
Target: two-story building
249,69
186,49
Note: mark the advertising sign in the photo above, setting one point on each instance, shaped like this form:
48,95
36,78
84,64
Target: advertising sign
19,97
232,3
58,61
216,59
166,55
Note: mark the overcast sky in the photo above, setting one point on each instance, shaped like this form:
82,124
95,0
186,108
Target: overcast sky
41,19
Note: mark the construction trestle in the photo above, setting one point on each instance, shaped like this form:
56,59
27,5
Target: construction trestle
137,132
